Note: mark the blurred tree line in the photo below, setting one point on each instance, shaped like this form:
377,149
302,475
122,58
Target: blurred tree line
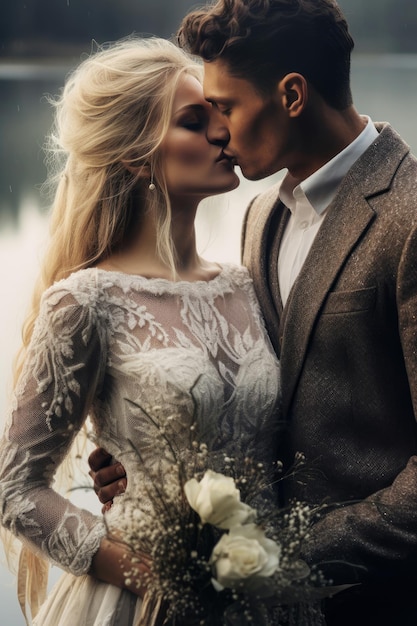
39,28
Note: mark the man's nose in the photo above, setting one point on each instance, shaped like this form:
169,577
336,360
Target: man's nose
217,132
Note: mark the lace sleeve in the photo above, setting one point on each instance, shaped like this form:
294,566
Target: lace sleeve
63,367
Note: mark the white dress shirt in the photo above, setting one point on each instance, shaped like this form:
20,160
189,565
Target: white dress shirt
308,202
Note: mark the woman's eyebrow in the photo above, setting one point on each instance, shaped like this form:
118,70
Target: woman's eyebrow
193,108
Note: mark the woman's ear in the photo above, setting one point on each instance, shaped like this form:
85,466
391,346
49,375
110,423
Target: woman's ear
293,89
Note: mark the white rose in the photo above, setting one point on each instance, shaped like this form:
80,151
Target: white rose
244,557
217,500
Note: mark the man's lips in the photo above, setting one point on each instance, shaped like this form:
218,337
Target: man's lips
223,156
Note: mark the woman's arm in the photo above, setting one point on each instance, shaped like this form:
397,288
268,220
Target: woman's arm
113,564
63,367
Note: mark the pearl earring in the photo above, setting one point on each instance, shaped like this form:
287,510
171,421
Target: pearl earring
151,185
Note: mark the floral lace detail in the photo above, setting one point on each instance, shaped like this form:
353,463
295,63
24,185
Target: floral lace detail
120,348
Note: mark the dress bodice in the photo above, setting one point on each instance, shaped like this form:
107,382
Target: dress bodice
135,354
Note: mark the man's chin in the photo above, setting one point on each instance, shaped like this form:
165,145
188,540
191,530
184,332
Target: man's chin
253,174
257,174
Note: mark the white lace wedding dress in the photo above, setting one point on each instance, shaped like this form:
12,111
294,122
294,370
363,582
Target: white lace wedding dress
114,345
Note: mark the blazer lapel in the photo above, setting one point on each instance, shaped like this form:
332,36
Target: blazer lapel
265,221
334,242
348,217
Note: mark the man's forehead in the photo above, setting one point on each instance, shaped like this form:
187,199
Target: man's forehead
218,82
216,72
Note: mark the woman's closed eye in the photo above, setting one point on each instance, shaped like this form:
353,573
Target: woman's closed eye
194,126
193,117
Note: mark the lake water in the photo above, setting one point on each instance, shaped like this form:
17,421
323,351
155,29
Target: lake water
385,87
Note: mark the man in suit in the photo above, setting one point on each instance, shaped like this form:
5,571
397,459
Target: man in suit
333,254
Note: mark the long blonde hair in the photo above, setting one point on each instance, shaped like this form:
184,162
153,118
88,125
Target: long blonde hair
114,111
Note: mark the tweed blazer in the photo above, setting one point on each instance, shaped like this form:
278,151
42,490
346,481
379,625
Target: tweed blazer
347,341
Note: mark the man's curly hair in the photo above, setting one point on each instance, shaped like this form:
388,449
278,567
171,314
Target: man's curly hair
262,40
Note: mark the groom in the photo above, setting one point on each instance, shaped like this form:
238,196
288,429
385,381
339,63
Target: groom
333,254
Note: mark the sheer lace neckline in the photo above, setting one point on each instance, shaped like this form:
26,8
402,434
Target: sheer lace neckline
218,283
152,278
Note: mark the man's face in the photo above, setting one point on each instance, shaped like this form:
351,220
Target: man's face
254,126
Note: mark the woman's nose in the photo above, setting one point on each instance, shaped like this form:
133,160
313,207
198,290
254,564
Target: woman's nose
217,132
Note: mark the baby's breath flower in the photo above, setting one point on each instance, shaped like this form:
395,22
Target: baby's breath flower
158,518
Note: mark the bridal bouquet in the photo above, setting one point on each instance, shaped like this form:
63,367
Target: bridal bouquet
221,551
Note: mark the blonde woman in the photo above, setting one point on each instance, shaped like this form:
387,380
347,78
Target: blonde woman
126,315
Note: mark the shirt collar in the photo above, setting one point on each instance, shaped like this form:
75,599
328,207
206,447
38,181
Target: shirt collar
320,188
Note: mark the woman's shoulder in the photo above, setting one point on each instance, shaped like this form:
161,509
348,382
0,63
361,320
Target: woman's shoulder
70,308
235,273
235,270
79,287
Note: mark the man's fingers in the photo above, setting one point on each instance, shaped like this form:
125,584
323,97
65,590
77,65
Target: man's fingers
109,479
98,459
106,507
108,475
107,493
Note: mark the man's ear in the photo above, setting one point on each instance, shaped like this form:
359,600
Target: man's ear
293,89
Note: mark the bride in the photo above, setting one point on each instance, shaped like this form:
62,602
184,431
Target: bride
127,316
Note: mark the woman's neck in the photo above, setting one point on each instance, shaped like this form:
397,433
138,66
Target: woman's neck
141,255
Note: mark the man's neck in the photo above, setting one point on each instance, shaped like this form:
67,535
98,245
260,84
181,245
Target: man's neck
322,135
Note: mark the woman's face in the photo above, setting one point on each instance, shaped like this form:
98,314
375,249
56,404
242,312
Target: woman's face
193,167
